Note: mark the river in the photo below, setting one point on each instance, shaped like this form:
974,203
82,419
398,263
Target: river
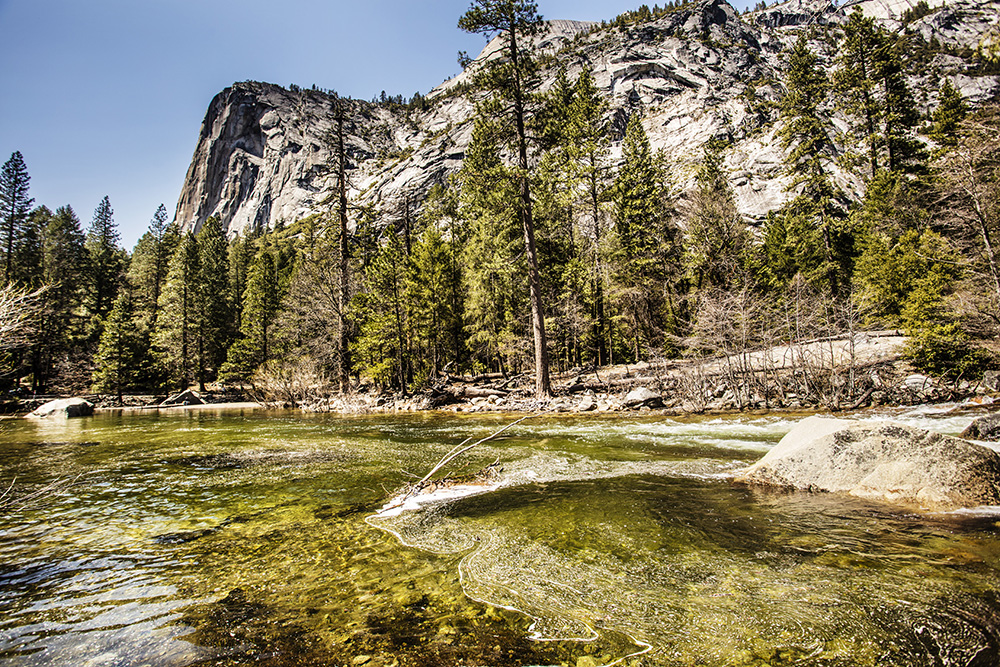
242,537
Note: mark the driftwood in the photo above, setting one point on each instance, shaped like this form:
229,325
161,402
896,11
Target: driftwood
487,473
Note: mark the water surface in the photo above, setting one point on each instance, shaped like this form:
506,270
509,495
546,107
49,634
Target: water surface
249,537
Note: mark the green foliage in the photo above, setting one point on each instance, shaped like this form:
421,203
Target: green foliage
945,350
148,267
106,260
261,300
806,132
872,89
948,115
214,310
121,351
493,259
174,338
890,271
715,239
15,205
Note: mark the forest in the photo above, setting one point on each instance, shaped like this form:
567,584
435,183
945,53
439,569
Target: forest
541,252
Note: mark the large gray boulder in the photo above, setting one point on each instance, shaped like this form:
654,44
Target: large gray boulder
642,396
64,408
883,461
984,428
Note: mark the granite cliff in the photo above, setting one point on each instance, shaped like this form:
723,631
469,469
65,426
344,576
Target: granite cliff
704,71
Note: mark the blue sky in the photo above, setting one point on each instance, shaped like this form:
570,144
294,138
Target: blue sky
106,97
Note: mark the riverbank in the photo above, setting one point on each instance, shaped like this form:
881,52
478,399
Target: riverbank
837,374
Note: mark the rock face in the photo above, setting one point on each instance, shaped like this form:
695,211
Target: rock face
984,428
264,154
64,408
882,461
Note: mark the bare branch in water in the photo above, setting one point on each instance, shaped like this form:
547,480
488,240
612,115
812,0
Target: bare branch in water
457,451
8,501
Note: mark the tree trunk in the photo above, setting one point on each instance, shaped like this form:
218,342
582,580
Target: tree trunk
344,296
543,387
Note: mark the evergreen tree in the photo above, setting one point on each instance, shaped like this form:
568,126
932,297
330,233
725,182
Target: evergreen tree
636,198
948,115
493,258
508,79
715,239
174,338
383,348
241,254
429,294
857,80
214,312
105,260
15,204
873,89
807,235
805,133
646,243
29,253
149,264
261,300
64,268
588,146
121,350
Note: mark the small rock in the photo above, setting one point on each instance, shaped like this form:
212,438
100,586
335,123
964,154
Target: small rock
586,404
361,659
587,661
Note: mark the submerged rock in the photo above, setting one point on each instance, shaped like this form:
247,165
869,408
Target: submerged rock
882,461
984,428
65,408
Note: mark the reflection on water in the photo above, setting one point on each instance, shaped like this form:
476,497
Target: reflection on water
251,538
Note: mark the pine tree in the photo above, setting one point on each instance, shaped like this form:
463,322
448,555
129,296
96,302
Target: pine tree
64,270
29,253
121,350
174,338
105,260
214,311
149,264
261,300
241,254
382,349
428,292
856,80
715,240
872,88
588,145
948,115
508,80
493,258
636,198
806,132
15,204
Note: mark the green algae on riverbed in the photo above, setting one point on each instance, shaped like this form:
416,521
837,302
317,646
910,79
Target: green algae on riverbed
232,538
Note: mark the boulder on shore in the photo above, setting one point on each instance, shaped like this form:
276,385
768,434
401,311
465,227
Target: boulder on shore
186,397
65,408
883,461
984,428
642,396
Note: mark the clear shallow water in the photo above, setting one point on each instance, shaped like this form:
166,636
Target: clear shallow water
232,538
